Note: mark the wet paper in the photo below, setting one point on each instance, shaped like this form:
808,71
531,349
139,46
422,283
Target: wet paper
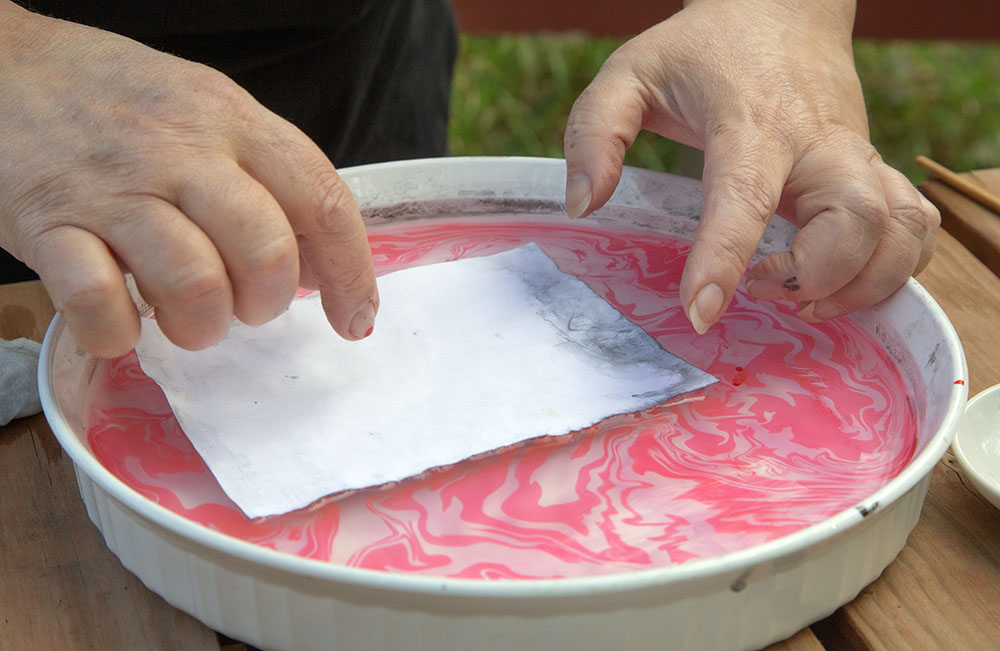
467,357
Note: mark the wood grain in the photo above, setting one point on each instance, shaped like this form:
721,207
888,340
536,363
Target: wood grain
939,592
60,586
25,311
975,226
963,184
804,640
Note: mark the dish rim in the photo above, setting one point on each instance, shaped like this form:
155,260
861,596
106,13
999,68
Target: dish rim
970,463
614,583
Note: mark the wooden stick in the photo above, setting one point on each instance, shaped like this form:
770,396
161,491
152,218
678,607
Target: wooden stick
960,183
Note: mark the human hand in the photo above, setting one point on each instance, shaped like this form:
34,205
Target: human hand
768,89
115,157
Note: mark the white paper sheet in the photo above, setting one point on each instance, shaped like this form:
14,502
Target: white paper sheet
467,357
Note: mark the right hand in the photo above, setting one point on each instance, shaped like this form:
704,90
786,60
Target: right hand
115,157
769,91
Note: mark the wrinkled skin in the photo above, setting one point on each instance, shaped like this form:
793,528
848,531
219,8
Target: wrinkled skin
119,158
768,89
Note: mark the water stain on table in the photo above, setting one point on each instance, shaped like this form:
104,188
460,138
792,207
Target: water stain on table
15,320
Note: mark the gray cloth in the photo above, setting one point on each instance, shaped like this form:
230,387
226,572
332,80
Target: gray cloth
18,379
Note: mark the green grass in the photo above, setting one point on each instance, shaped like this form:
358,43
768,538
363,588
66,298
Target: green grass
512,94
937,99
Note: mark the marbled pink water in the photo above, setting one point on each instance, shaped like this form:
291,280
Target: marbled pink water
806,421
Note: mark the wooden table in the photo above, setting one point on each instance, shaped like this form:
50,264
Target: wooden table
60,587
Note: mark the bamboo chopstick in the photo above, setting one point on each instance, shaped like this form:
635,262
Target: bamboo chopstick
960,183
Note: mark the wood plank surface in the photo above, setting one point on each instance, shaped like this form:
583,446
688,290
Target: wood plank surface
975,226
941,591
804,640
25,311
60,586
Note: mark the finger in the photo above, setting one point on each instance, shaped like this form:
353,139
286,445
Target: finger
842,209
96,305
930,242
306,280
252,235
326,220
177,270
907,242
742,184
602,125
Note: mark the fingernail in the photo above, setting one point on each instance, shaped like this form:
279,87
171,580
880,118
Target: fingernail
807,312
363,323
766,289
578,194
822,310
705,307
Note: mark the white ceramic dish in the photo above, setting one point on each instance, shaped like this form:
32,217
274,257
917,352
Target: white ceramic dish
977,443
739,600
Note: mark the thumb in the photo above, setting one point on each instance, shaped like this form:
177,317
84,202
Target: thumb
742,183
602,125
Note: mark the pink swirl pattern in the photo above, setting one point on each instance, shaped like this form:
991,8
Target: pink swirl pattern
807,420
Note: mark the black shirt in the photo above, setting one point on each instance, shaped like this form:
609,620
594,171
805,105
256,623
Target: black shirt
367,80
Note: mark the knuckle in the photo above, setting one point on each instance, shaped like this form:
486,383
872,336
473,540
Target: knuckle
748,187
88,293
933,216
335,206
33,209
874,157
349,290
359,281
926,252
198,288
584,113
275,258
870,209
732,255
728,255
589,120
917,219
218,89
347,281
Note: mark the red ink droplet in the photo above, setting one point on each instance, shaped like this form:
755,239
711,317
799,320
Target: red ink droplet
740,377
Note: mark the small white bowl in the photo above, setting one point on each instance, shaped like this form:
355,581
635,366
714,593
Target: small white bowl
977,443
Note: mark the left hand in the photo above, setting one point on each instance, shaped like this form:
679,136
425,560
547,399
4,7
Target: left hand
768,89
